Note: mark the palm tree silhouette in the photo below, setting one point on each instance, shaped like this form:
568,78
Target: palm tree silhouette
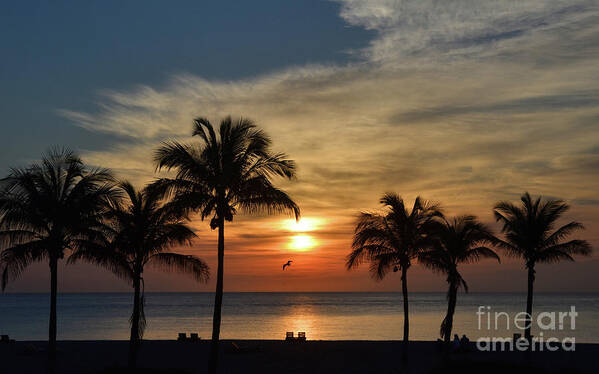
530,235
222,174
48,209
143,229
460,240
392,240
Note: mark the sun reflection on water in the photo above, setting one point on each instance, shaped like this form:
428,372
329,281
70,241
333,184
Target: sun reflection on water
302,319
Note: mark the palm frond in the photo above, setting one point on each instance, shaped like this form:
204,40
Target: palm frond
382,263
269,166
564,251
563,232
14,260
10,237
391,240
203,128
475,254
438,260
143,227
187,194
366,252
51,207
184,158
185,264
259,195
226,172
529,231
104,257
168,235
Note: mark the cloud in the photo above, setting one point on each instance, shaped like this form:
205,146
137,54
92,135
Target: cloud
459,28
531,104
586,202
464,102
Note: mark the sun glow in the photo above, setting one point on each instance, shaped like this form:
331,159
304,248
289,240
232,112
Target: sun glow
301,242
303,225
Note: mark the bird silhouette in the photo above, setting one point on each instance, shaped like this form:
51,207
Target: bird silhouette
287,264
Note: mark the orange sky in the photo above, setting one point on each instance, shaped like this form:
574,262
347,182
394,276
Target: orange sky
256,248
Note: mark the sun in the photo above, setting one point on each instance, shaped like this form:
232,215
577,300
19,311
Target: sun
301,242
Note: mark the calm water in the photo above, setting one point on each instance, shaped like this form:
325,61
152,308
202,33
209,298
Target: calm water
340,316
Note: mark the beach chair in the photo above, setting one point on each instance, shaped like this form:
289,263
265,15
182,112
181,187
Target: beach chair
301,336
182,337
289,336
194,337
4,339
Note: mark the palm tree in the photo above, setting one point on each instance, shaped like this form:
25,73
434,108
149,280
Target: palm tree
47,210
222,174
144,228
392,240
459,241
530,235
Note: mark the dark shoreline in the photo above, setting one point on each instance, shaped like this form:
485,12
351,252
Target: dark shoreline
274,356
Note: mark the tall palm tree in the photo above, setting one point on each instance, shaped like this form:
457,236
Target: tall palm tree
144,228
392,240
222,174
46,210
460,240
530,235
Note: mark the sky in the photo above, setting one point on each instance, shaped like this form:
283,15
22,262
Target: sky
465,103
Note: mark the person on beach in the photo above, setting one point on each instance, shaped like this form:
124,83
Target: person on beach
455,344
464,343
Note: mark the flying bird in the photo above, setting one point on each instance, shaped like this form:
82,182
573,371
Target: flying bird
287,264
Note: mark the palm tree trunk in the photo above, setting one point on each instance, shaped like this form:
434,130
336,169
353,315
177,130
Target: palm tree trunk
52,325
134,339
447,324
531,281
218,300
406,318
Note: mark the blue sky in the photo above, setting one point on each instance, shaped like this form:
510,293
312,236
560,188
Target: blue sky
466,102
59,54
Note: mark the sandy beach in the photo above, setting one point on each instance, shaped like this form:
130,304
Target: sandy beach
312,357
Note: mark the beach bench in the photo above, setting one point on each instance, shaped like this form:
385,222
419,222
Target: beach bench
301,337
4,339
194,337
182,337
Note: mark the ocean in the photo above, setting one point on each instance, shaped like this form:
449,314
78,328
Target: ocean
323,316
